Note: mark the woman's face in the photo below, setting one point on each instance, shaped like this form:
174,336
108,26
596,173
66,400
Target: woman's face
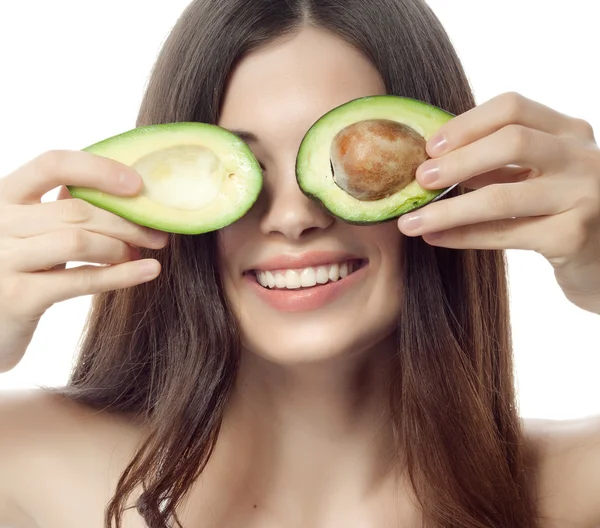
276,94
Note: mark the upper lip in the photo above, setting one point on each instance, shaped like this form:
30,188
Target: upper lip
303,260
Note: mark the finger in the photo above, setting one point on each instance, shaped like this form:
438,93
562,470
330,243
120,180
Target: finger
22,221
508,174
51,287
45,251
497,113
540,197
510,233
30,182
512,145
554,237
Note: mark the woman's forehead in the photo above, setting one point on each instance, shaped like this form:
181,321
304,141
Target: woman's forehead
297,80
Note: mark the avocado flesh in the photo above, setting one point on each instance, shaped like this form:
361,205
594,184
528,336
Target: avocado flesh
317,172
197,177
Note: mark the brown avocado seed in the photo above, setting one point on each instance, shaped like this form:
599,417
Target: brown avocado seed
374,159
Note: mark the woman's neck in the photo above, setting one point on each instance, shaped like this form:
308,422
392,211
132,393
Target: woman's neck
322,429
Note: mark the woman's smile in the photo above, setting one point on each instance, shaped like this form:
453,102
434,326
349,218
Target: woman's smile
305,281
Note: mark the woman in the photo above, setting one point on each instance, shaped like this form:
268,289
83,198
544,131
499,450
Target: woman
199,401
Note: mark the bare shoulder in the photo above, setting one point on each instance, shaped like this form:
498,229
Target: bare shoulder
52,447
568,464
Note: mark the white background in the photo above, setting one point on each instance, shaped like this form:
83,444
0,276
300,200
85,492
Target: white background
72,73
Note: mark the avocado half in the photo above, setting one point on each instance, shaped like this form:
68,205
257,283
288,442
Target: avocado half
197,177
359,160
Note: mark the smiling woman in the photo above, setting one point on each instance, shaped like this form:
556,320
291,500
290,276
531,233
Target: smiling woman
282,370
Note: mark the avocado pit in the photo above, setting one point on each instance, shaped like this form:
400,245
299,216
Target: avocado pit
373,159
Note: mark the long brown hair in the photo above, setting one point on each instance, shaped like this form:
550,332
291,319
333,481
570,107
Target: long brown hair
167,351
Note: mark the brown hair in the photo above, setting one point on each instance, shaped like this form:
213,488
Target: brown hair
168,351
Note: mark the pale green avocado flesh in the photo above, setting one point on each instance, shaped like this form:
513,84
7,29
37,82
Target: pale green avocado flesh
316,170
197,177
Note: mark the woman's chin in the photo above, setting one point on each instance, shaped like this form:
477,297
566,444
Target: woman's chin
289,348
296,355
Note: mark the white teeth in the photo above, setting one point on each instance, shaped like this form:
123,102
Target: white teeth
292,279
344,270
334,272
308,277
279,280
305,278
261,277
322,274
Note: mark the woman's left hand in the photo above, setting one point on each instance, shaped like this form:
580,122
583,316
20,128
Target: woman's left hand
537,178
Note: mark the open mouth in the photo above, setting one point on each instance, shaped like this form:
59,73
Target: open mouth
305,278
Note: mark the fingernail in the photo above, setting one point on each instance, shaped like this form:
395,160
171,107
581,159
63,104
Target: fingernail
429,174
411,222
130,182
437,144
149,269
159,237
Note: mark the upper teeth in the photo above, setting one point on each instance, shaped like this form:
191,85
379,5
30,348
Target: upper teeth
303,278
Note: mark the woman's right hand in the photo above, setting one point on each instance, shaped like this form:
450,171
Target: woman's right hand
38,238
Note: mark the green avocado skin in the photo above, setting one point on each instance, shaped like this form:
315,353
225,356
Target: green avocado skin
230,205
407,208
313,169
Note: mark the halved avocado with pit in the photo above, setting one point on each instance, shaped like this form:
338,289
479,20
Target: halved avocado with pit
197,177
359,160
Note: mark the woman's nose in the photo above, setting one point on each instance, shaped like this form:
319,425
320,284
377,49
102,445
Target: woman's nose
289,211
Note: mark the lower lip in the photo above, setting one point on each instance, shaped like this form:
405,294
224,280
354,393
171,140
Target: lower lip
307,298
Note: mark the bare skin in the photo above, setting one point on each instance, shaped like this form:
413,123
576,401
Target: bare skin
304,442
59,461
